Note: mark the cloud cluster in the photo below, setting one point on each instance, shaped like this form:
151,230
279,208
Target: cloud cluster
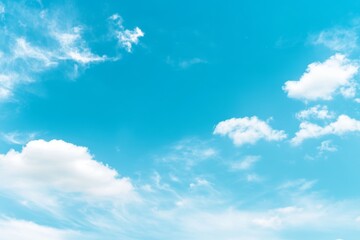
323,81
248,130
344,124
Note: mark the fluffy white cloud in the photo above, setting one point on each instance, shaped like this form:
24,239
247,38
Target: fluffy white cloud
322,81
337,39
248,130
13,229
316,112
43,172
344,124
126,38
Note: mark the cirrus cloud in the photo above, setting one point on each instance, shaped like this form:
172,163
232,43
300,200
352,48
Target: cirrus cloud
36,40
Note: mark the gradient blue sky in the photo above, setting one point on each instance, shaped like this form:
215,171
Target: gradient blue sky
206,120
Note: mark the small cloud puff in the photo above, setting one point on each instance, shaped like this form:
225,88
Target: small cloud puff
248,130
316,112
126,38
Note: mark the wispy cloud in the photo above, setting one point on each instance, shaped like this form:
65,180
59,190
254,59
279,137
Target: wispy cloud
189,152
18,138
298,185
36,40
337,39
245,164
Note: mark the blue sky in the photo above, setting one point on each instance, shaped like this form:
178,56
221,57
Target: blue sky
179,120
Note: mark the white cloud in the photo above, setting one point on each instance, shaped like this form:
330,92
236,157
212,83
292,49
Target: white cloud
306,213
126,38
8,82
295,208
337,39
74,48
247,163
322,81
316,112
70,46
43,172
326,146
13,229
24,50
41,40
248,130
344,124
22,60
